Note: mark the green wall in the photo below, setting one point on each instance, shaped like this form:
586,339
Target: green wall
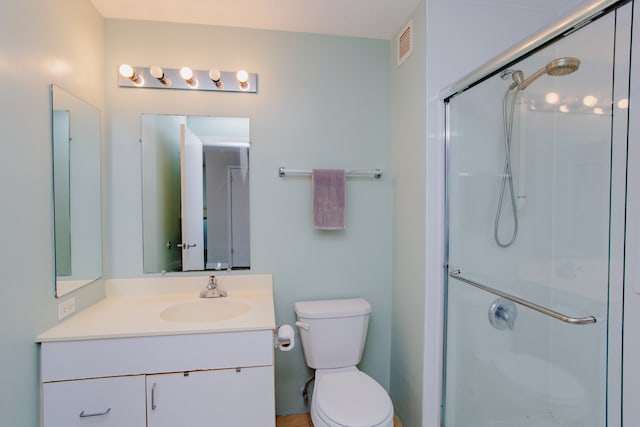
408,135
41,43
322,101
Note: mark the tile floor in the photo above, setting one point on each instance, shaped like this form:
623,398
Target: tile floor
304,420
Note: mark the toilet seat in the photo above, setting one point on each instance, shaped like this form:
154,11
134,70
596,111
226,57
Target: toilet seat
351,398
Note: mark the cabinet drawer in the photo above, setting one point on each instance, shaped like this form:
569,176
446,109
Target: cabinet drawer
67,360
103,402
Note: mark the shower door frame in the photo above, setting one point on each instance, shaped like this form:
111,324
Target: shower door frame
618,187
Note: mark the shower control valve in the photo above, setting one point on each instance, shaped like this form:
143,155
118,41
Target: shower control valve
503,314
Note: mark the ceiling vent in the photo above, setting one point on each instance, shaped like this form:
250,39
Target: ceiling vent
405,42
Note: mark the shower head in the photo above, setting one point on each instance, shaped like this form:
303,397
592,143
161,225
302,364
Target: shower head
562,66
557,67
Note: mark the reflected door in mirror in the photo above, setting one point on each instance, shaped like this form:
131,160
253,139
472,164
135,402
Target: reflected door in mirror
195,193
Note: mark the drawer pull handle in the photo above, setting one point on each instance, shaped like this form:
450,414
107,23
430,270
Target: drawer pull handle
96,414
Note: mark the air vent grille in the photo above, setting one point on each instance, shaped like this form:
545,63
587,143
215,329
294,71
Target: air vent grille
405,42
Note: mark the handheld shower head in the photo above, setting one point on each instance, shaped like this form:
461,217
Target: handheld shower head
557,67
562,66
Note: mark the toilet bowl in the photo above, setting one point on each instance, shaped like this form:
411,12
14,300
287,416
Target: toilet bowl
333,334
351,398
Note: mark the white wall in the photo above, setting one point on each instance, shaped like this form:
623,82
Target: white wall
310,111
40,43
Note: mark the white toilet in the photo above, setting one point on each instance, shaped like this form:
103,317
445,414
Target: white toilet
333,333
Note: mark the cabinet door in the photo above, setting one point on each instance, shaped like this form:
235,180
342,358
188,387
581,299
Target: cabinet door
104,402
219,398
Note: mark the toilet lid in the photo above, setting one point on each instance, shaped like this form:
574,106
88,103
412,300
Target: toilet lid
352,399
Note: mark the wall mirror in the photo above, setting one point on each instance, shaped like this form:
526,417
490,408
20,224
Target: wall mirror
195,193
77,194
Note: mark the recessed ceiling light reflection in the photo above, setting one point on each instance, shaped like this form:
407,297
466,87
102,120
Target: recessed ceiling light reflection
589,100
598,110
564,108
623,104
552,98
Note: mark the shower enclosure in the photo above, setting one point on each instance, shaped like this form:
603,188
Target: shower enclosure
536,196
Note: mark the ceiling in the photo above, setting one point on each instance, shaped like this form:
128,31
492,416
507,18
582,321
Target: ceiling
376,19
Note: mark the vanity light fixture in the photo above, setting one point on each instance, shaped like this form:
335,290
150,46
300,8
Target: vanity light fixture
185,78
128,72
216,77
158,73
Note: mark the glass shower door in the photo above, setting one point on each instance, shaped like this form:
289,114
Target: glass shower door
529,239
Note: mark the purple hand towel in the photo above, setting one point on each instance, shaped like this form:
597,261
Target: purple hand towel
329,199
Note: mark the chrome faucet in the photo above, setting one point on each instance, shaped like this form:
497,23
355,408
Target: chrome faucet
212,290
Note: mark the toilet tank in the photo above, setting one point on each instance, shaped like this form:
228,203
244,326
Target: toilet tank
333,332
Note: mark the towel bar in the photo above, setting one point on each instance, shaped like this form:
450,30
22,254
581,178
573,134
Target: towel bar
376,173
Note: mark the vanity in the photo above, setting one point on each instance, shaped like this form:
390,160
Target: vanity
153,353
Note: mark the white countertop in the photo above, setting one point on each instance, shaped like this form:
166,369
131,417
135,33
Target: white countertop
132,308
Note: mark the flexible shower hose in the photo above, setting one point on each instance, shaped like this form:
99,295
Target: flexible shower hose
508,107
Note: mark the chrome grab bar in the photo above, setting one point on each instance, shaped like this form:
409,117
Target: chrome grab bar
540,309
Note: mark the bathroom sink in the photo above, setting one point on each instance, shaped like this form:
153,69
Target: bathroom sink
205,310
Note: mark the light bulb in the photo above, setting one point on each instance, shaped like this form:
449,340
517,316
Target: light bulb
157,72
564,108
552,98
242,77
598,110
589,100
214,75
186,73
126,71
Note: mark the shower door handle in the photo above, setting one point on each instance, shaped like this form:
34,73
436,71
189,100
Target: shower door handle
588,320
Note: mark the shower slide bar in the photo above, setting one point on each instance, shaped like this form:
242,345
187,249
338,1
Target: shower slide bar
376,173
455,274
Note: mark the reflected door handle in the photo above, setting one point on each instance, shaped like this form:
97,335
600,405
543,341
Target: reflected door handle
185,245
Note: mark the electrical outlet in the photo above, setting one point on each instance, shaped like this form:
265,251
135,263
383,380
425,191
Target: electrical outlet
67,307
